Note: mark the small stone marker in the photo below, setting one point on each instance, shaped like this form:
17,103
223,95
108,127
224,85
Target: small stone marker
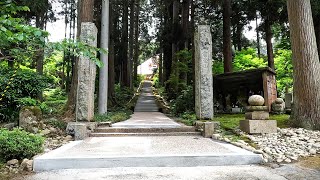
257,118
203,76
288,102
86,76
208,129
278,106
80,131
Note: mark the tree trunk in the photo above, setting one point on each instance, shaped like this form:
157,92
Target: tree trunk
306,66
269,43
124,53
185,22
175,21
86,11
227,49
239,37
258,37
317,31
103,74
111,53
131,38
136,41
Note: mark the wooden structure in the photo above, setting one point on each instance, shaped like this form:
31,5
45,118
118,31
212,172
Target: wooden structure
234,89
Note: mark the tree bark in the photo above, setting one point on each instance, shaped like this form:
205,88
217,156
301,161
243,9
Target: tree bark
124,53
131,39
227,51
136,41
269,43
258,37
111,67
103,74
175,21
306,66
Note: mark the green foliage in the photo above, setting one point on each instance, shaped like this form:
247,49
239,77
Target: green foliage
122,95
284,69
77,49
19,144
243,60
248,59
18,88
19,41
113,117
184,102
55,100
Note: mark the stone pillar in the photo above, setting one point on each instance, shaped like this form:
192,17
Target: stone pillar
203,73
86,76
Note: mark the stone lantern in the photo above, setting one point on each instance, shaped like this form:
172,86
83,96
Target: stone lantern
257,117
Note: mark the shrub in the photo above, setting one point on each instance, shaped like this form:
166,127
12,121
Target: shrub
184,102
19,144
113,117
18,84
122,95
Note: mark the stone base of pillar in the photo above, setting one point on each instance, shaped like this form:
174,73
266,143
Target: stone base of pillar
258,126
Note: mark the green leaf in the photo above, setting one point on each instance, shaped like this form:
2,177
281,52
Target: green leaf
37,33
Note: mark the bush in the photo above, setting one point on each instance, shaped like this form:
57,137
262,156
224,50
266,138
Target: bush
122,95
184,102
15,85
113,117
19,144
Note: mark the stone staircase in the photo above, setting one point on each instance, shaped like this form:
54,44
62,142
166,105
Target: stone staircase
146,121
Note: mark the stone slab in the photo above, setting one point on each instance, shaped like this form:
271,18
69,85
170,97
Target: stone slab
171,151
203,73
258,126
257,115
257,108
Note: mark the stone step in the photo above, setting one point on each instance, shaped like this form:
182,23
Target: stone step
144,134
143,130
165,151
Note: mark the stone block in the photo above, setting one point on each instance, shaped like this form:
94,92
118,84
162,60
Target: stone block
203,76
90,126
257,108
86,76
208,129
257,115
258,126
80,131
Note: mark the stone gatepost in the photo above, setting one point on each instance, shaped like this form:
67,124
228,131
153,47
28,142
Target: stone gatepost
257,118
203,73
86,76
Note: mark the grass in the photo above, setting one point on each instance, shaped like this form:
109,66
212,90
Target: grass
232,121
114,117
